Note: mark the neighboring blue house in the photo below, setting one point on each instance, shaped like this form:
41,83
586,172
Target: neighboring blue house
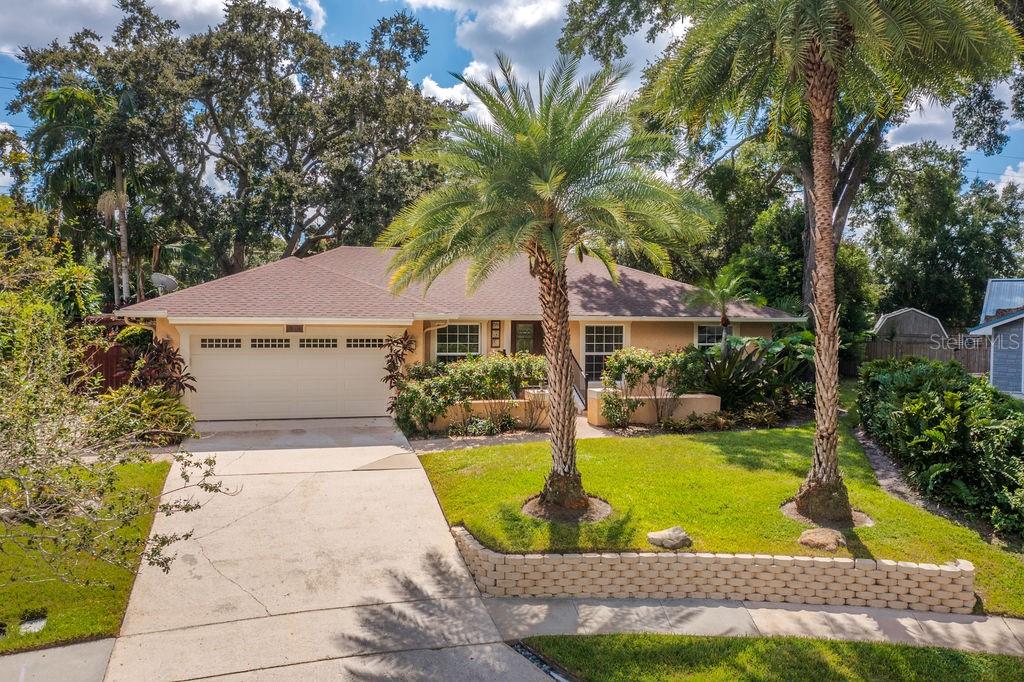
1002,318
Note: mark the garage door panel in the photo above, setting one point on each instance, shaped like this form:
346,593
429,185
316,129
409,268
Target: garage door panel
293,382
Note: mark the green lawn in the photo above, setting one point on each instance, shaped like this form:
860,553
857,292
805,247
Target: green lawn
724,488
674,657
73,611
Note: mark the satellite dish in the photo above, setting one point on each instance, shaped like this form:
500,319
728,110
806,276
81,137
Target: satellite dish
165,283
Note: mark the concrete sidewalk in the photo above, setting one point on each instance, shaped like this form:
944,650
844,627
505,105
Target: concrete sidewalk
517,618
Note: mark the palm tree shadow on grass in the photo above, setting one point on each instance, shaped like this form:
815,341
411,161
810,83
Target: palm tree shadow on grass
613,533
783,450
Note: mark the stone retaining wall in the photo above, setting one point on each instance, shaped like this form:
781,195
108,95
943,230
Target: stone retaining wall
751,577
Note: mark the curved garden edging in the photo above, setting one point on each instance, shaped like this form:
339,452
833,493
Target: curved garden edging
749,577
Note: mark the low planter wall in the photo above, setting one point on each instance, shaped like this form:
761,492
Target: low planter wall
750,577
682,406
531,409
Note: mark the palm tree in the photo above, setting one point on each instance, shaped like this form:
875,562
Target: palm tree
721,291
790,61
554,174
83,140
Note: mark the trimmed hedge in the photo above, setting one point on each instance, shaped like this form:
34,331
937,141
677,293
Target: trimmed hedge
428,390
960,441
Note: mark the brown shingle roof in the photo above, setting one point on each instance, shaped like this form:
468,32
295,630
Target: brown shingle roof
352,282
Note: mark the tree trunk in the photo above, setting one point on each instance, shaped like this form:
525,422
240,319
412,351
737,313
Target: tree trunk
122,228
823,494
113,274
563,487
139,282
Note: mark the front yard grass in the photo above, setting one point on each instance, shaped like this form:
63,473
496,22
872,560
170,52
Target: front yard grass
724,488
73,611
642,657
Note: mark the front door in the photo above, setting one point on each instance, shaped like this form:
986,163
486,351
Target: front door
527,337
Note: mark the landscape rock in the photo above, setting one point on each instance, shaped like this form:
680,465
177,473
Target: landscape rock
670,538
827,539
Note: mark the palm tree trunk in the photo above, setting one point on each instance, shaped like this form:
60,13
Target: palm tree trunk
563,487
823,494
113,273
122,228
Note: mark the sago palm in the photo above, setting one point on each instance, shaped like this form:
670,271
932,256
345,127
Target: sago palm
789,62
555,173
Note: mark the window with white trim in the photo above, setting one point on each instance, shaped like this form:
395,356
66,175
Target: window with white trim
364,343
270,343
220,343
318,343
456,341
600,341
711,334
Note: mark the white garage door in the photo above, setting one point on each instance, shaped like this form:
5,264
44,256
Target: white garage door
289,376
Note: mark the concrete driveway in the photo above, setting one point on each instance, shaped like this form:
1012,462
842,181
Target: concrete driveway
330,560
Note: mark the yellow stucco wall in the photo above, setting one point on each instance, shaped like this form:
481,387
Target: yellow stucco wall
165,330
658,336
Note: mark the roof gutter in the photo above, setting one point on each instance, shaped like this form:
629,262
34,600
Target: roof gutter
312,321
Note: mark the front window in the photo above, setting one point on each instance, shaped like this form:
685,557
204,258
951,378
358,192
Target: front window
599,342
711,334
456,341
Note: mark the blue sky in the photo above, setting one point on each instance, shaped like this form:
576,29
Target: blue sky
463,37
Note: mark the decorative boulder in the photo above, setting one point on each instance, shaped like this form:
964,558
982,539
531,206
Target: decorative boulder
670,538
827,539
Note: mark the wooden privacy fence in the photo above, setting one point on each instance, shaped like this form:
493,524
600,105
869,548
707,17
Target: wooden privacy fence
973,352
106,363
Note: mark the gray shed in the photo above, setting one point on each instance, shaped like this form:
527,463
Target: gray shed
909,324
1002,319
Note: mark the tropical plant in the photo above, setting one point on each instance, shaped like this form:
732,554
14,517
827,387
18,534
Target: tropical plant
83,138
158,365
790,62
719,293
396,348
154,415
960,440
557,173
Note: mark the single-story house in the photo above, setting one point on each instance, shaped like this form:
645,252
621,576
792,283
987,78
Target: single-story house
909,325
302,337
1002,318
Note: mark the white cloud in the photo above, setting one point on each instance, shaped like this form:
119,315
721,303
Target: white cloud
1011,174
459,92
929,121
527,31
46,20
317,14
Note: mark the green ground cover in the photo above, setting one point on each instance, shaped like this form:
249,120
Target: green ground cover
74,611
641,657
724,488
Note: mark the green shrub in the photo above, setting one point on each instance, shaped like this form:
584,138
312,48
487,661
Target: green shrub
960,441
157,416
483,426
135,337
430,389
767,377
